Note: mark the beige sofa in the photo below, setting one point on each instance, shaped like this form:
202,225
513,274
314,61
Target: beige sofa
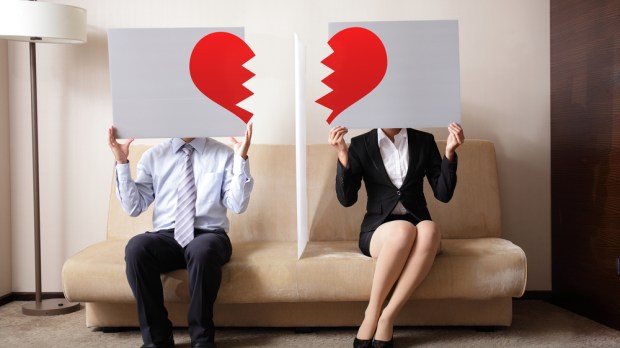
472,281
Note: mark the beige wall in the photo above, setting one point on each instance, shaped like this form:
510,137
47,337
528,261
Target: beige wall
504,53
5,192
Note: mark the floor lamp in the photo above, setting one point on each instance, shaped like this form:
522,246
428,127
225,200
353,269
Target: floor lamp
41,22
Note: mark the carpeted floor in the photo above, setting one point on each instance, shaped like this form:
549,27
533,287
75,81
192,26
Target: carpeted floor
535,324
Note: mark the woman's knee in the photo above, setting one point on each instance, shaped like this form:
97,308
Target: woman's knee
398,236
429,235
401,234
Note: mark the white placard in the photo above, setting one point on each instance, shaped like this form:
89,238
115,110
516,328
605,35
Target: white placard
153,93
421,85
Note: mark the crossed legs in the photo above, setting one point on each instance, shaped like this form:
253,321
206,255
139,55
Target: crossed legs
404,254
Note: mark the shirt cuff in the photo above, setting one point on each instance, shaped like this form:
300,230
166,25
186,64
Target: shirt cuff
123,171
241,166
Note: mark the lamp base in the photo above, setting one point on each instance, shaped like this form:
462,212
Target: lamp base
54,306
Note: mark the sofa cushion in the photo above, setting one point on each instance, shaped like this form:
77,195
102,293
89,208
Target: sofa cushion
97,273
260,272
480,268
257,272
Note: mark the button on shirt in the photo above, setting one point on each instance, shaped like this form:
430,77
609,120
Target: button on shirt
396,160
223,181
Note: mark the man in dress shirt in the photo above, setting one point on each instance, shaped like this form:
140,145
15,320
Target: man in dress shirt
222,181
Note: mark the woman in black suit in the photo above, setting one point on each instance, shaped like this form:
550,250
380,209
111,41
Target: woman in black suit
397,229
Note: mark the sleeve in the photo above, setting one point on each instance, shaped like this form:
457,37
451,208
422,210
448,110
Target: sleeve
238,184
349,178
440,172
135,196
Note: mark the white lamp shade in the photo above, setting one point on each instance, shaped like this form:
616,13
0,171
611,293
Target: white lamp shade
36,21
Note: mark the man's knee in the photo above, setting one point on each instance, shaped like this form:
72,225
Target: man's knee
207,252
200,255
135,248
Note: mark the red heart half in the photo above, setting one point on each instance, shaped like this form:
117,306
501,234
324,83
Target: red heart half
216,68
359,62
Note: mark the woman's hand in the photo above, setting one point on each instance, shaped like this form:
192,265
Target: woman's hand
241,147
120,151
336,139
455,139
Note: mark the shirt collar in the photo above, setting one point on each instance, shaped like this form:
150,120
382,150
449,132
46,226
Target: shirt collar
198,144
381,136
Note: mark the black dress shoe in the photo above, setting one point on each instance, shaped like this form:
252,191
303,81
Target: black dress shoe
153,345
166,344
357,343
204,345
383,344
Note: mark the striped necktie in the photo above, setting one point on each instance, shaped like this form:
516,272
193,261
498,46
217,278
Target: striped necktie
186,200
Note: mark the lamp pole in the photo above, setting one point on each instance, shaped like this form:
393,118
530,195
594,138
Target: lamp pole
52,306
35,170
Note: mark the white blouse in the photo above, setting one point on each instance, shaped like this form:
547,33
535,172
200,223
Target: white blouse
396,160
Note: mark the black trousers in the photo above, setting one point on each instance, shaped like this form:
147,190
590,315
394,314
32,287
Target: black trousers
152,253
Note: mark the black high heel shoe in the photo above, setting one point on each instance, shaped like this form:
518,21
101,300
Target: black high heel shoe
383,344
357,343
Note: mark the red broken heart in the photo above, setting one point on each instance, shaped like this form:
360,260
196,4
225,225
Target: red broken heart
359,62
216,67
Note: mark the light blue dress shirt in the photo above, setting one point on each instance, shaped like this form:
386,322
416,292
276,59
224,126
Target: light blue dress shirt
223,181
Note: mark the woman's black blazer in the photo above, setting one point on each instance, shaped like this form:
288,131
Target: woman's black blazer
365,162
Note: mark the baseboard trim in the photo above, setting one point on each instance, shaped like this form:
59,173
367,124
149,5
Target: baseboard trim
6,299
28,296
544,295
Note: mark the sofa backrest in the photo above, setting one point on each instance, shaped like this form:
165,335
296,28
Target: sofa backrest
474,210
271,214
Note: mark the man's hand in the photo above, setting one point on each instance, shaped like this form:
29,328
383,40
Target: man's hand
241,147
336,139
455,139
120,151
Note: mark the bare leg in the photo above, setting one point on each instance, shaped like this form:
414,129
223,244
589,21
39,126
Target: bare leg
391,245
416,269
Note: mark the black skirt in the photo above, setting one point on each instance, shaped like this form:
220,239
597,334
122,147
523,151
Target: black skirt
366,237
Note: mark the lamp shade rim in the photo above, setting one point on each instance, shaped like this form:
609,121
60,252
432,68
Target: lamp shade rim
36,21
